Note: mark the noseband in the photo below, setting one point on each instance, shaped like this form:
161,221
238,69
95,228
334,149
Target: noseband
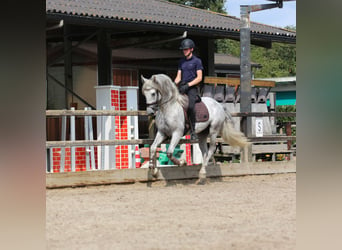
157,103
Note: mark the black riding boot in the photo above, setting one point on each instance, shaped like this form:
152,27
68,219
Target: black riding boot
192,119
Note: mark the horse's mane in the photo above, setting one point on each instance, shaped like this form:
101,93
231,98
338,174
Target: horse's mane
166,87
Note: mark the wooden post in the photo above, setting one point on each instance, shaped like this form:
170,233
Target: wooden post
104,58
73,138
91,137
245,76
288,133
63,138
151,135
86,136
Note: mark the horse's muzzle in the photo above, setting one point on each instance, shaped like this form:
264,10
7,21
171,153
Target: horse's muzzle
151,110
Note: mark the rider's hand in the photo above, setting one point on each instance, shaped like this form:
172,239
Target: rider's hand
183,88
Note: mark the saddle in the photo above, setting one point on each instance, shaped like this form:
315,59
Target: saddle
201,110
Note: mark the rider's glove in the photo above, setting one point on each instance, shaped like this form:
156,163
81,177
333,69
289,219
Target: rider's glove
183,89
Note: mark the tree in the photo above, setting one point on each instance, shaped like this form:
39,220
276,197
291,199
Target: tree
278,61
290,27
228,46
213,5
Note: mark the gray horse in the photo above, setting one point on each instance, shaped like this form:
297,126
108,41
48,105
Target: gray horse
163,99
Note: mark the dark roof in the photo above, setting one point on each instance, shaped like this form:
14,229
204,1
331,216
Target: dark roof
160,14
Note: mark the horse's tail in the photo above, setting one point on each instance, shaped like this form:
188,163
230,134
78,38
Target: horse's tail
231,135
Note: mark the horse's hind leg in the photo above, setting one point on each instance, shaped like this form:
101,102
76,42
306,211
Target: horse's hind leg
212,146
204,149
207,153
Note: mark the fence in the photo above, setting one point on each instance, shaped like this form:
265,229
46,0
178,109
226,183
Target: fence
81,155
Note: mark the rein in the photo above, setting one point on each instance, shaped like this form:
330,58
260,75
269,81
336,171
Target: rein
158,103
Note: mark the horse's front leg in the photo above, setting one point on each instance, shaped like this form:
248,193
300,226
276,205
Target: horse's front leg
173,143
204,149
157,141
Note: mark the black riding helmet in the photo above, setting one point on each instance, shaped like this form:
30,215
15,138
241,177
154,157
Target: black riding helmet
187,44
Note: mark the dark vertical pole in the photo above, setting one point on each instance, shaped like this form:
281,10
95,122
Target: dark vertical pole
288,133
245,74
207,54
104,58
67,64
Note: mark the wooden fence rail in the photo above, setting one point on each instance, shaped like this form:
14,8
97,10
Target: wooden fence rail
144,113
89,143
52,113
95,113
78,143
264,114
51,144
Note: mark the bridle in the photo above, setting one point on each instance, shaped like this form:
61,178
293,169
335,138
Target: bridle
158,103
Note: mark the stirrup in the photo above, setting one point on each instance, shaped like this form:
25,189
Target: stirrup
193,136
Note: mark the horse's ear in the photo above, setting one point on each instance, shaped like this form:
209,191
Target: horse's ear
143,79
154,78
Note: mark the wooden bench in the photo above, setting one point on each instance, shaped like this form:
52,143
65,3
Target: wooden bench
224,89
272,148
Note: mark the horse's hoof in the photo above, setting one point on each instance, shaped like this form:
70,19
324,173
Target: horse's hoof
182,163
155,172
201,181
202,176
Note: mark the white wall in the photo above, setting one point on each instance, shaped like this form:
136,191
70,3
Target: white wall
84,80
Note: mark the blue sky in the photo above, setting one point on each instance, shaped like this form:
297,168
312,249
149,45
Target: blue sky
279,17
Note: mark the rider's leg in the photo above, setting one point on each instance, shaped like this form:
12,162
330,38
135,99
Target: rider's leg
192,93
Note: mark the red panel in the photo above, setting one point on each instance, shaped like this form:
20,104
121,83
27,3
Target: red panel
80,159
188,151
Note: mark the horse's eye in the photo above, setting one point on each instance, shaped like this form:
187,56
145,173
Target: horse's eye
153,94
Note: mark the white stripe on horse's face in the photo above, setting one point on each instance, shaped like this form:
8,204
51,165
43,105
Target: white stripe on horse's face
151,95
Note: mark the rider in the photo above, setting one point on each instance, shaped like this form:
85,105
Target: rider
189,74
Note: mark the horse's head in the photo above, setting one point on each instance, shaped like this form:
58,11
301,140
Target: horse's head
152,94
151,90
159,90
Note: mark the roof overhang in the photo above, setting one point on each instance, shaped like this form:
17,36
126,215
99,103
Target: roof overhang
257,38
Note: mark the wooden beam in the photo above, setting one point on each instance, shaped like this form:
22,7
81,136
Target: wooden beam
265,114
144,113
236,81
117,176
96,113
79,143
